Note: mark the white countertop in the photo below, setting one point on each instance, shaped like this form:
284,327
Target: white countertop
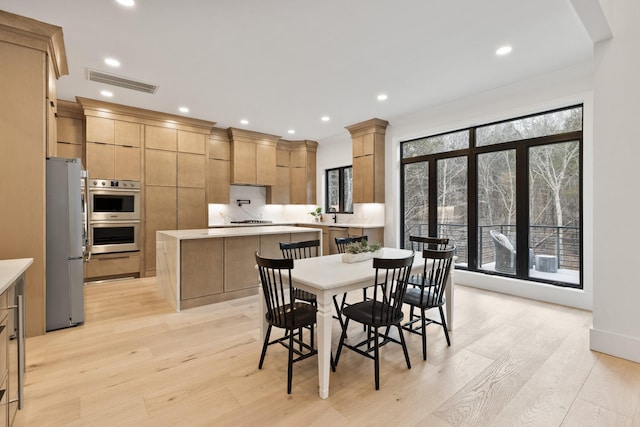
11,269
234,231
310,223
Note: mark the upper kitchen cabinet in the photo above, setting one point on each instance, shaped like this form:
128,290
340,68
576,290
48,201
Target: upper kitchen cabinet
33,58
303,172
160,138
219,178
368,160
280,193
113,142
295,173
70,130
253,157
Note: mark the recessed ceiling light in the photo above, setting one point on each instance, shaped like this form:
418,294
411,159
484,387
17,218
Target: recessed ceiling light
382,97
244,122
112,62
291,131
183,109
127,3
325,118
106,93
503,50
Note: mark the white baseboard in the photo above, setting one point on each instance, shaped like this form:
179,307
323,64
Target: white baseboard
615,345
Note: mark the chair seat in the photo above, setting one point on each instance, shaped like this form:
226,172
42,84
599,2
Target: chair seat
302,314
412,297
362,312
304,295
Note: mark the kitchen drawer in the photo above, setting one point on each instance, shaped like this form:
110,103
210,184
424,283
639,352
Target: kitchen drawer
113,265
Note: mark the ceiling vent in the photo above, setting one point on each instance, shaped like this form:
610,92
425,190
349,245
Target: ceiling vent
114,80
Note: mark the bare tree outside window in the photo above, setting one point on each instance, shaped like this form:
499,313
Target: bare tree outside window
549,148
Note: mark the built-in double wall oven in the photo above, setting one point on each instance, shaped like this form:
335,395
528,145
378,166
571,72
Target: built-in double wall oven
114,216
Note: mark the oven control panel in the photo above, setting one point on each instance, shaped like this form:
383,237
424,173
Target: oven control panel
114,184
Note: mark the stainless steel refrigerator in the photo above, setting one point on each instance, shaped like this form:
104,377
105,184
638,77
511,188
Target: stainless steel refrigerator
65,256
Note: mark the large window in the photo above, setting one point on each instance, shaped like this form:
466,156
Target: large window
500,187
339,187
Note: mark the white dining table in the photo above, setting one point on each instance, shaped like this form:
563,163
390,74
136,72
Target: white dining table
327,276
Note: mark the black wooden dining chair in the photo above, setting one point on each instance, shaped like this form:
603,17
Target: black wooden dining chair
342,243
283,311
382,311
430,294
300,250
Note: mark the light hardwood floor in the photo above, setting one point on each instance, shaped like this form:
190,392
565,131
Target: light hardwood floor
136,363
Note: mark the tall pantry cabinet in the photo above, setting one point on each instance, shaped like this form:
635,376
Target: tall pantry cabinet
33,57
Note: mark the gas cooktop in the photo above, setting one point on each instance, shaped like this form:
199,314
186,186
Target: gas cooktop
252,221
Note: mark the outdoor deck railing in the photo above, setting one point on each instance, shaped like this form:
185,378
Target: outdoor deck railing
562,242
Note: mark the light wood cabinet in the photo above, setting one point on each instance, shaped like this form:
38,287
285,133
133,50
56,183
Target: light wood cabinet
161,138
219,184
192,208
160,167
265,164
160,214
219,145
243,163
215,269
239,263
127,162
112,150
253,157
68,150
368,160
127,134
33,57
201,272
270,245
303,172
100,160
102,266
280,192
219,167
100,129
191,170
70,130
191,142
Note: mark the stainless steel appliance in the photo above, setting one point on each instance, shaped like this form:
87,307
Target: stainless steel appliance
114,216
111,200
65,256
114,236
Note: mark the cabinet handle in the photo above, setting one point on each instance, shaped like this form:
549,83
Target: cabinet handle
21,353
115,257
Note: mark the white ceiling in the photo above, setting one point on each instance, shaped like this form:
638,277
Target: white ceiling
282,64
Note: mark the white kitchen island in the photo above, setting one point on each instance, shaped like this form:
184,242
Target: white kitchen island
199,267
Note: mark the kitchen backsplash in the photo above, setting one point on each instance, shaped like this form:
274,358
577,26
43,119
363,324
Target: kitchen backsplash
257,209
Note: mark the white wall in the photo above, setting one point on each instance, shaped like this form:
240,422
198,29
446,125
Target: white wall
616,312
562,88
